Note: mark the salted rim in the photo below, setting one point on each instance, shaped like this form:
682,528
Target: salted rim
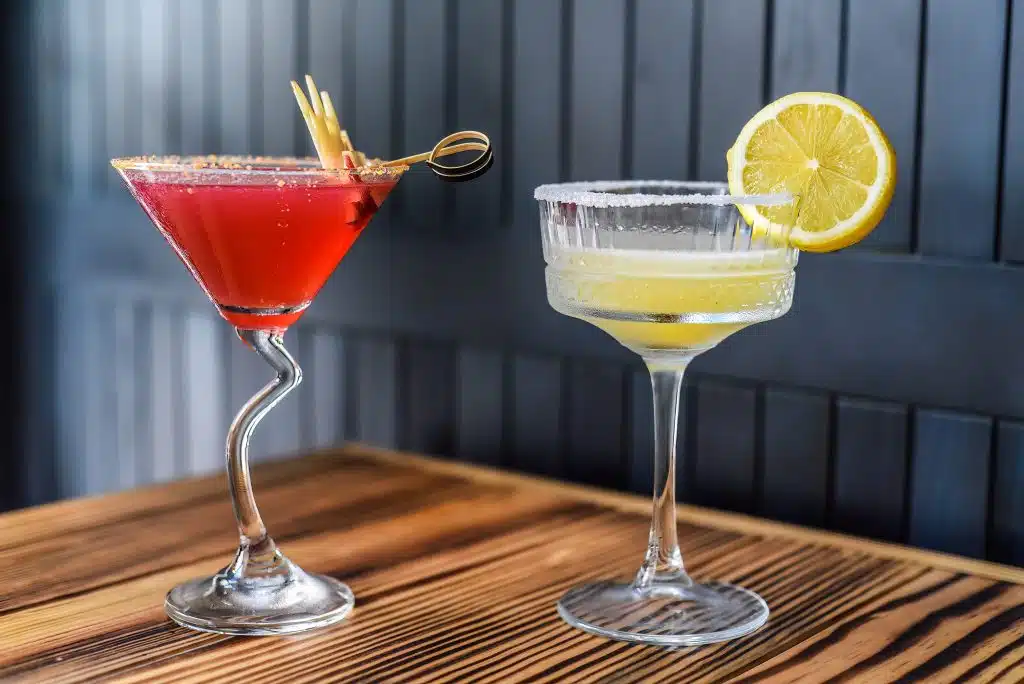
596,194
240,164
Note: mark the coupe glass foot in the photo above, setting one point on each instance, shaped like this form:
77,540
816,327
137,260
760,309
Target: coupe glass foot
667,614
283,603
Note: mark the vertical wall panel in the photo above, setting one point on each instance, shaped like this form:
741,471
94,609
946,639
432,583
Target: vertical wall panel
279,19
143,412
478,106
536,430
429,401
425,90
870,469
1006,544
726,445
204,392
235,76
598,53
120,66
960,139
99,468
196,67
731,79
1012,220
796,449
51,44
949,482
325,388
84,106
663,78
805,46
371,126
536,118
883,40
479,396
595,448
326,36
641,434
376,381
151,100
126,403
162,452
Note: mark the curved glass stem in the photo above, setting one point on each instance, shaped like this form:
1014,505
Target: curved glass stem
261,591
664,562
256,546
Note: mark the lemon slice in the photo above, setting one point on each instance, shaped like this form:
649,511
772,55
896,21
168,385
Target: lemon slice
829,152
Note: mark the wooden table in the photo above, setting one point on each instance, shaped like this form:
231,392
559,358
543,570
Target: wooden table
456,572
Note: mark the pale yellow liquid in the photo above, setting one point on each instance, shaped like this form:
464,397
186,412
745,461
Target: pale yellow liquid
714,293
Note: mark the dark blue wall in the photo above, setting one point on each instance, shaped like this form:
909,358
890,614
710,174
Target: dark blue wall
887,403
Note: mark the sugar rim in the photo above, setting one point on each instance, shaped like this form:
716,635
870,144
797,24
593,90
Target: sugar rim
596,194
213,164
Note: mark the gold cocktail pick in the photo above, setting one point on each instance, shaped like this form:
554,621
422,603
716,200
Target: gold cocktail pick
335,149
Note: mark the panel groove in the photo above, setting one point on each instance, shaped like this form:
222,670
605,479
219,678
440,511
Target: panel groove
629,65
348,60
451,90
565,62
301,58
507,157
173,55
844,48
97,100
909,457
757,502
1004,100
508,409
768,55
212,139
992,491
256,95
688,459
397,200
915,197
696,55
830,464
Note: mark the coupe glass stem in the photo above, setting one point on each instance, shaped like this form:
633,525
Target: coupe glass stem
664,562
256,545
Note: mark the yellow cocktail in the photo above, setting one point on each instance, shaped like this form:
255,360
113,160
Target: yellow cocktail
657,300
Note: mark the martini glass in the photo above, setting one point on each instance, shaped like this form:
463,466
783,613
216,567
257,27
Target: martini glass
260,236
669,270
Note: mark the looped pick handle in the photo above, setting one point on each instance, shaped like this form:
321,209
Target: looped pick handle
462,172
455,173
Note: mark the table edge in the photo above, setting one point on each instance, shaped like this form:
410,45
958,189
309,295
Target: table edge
735,522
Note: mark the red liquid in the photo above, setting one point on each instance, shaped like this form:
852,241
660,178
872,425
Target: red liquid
261,246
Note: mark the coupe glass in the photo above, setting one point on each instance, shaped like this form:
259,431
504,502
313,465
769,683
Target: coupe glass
668,269
261,236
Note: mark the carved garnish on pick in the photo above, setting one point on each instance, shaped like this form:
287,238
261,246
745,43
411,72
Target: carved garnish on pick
336,151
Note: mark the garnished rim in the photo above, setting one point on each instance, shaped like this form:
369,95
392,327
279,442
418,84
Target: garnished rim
600,195
249,165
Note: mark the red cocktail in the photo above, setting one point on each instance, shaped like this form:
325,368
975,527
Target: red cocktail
261,236
260,240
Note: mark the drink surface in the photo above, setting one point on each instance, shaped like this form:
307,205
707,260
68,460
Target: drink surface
670,300
266,246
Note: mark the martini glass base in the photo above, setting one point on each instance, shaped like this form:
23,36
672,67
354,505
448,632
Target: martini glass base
667,614
286,603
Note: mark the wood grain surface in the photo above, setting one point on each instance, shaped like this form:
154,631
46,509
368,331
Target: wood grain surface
456,571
